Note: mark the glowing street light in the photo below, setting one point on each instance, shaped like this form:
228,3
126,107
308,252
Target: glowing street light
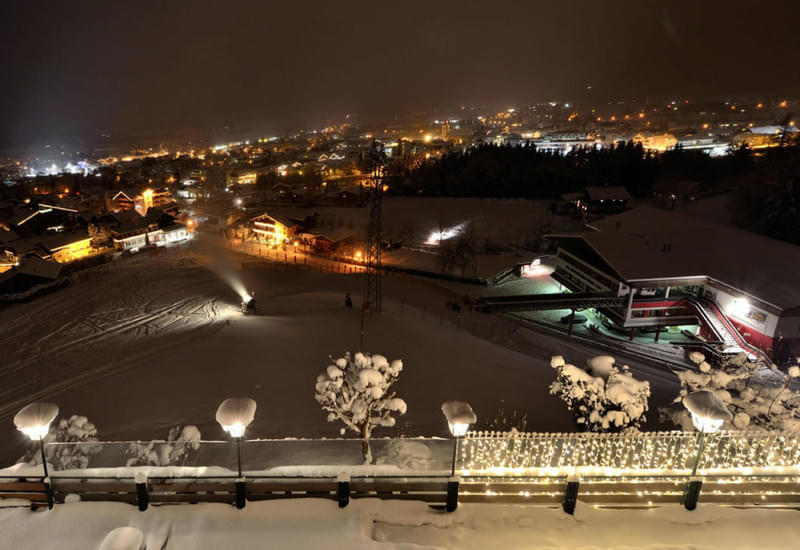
708,413
459,416
34,421
234,415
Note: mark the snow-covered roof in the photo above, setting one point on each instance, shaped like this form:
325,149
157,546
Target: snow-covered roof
57,241
39,268
649,243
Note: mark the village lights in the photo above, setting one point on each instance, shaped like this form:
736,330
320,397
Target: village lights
459,416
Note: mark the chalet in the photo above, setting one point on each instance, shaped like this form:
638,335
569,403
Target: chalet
142,201
270,229
598,200
63,247
28,274
156,228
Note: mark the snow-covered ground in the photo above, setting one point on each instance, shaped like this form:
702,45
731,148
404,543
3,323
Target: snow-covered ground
148,343
401,525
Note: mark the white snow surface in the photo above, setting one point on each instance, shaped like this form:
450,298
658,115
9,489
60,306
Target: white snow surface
152,342
369,523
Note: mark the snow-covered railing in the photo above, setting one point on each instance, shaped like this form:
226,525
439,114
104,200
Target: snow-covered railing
505,453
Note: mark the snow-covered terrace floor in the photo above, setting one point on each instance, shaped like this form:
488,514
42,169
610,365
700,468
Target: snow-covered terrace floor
377,524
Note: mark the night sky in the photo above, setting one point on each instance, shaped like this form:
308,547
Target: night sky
75,70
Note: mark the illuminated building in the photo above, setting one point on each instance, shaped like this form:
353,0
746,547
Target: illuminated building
671,270
270,230
140,202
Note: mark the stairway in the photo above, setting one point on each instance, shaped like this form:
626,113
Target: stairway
723,328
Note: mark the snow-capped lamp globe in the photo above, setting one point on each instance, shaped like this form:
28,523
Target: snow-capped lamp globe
709,413
234,415
459,417
34,421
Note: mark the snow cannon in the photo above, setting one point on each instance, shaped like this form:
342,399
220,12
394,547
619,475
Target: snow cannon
248,304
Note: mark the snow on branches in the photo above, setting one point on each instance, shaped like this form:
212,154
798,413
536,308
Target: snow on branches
602,397
757,395
356,390
83,445
172,452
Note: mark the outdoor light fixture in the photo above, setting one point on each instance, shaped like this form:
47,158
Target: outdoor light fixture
248,303
234,415
459,416
739,307
709,413
34,421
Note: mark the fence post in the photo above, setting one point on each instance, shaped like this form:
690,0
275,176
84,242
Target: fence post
571,494
48,491
240,500
142,498
452,494
343,489
692,494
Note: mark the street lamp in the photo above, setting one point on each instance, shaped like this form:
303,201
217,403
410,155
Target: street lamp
708,413
234,415
459,416
34,421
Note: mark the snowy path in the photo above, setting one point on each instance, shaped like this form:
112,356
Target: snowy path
375,524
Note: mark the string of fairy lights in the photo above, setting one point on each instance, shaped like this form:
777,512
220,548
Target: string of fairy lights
503,453
737,467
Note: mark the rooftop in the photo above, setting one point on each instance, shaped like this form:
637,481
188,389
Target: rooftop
650,243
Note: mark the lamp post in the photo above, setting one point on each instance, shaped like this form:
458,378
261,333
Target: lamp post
34,421
234,415
708,414
459,416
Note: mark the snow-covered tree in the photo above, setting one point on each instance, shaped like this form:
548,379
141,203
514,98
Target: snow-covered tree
603,397
357,391
76,430
172,452
757,395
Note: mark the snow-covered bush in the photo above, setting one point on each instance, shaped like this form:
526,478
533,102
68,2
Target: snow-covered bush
602,397
406,454
757,395
172,452
356,390
81,436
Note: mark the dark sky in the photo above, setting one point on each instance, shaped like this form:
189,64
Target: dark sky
74,70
